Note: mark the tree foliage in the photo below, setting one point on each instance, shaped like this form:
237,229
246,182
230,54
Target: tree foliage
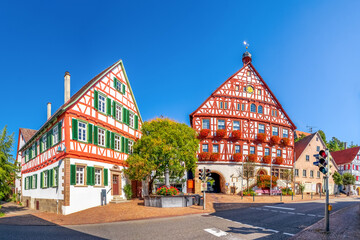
8,168
323,136
338,179
348,179
248,172
300,137
288,176
164,144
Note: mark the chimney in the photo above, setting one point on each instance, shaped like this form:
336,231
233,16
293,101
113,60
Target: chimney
345,145
66,87
48,110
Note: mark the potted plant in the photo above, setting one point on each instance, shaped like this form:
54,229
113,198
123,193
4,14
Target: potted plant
237,157
285,141
267,159
165,191
275,140
204,156
204,133
252,158
279,160
220,133
236,134
215,156
261,137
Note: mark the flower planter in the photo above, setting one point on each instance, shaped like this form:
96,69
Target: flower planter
236,134
261,137
237,157
279,160
169,201
204,156
285,141
220,133
215,157
267,159
252,158
204,133
275,140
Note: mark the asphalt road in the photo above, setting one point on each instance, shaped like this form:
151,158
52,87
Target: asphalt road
261,221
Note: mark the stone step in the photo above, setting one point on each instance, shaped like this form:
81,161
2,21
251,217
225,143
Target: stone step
118,201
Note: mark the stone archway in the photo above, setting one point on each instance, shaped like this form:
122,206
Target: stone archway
261,171
219,184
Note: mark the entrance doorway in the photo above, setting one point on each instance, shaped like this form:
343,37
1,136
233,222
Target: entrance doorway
318,188
115,184
215,187
136,187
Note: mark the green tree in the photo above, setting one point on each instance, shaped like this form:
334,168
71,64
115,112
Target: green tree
164,144
8,168
301,187
288,176
338,179
323,136
333,144
348,179
248,173
300,137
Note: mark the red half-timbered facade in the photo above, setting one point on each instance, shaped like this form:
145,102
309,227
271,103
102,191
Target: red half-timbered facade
241,120
76,159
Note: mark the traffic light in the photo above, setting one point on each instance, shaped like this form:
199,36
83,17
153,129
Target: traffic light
201,174
321,163
208,173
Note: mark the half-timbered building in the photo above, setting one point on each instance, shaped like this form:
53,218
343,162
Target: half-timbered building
242,120
76,159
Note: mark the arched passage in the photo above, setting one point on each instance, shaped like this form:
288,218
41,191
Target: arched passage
218,183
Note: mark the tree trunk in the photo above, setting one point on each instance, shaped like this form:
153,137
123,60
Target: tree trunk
151,185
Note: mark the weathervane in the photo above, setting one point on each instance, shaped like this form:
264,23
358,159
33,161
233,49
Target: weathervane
246,45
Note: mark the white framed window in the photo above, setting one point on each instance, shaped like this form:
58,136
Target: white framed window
275,131
33,151
252,150
27,183
205,124
296,172
260,109
33,181
259,92
318,174
118,85
131,147
26,155
117,143
80,175
304,173
221,124
98,176
237,148
221,105
238,106
44,143
45,182
236,125
237,88
55,135
82,131
225,105
101,137
131,119
205,148
253,108
285,133
278,153
307,158
261,128
311,173
215,148
242,107
267,151
118,113
102,103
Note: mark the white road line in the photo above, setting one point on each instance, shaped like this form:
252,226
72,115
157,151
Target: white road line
320,216
291,213
248,225
273,210
290,234
300,214
311,215
265,209
216,232
282,212
280,208
270,230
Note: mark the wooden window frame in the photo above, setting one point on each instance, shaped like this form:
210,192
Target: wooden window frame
101,176
84,174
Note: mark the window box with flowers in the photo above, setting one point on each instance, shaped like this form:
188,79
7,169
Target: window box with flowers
215,157
285,141
236,134
237,157
252,158
220,133
204,133
204,156
279,160
275,140
267,159
261,137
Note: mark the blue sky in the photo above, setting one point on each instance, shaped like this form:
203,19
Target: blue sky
176,53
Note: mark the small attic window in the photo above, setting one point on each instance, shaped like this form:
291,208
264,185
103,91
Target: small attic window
248,73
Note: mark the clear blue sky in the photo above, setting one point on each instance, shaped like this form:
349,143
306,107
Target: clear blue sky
176,53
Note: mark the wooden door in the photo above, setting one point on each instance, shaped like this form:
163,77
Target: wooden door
115,184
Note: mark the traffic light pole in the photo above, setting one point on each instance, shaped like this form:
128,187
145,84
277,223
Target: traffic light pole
327,222
204,202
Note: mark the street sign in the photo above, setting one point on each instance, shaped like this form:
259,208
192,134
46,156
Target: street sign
204,186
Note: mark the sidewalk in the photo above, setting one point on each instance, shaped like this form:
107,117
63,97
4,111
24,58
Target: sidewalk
344,224
134,210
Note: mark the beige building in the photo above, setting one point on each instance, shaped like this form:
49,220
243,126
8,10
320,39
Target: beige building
305,172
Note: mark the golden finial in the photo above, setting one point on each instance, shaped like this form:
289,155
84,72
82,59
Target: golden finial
246,44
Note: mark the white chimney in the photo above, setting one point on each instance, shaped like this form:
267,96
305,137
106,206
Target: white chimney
66,87
48,110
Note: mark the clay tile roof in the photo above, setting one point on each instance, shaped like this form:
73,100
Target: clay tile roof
298,133
27,133
302,144
345,156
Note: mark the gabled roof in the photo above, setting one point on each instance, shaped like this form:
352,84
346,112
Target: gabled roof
76,97
298,133
27,133
345,156
302,144
266,86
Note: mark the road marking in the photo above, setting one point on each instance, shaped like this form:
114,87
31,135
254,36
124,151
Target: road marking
311,215
320,216
216,232
290,234
291,213
282,212
273,210
280,208
265,209
300,214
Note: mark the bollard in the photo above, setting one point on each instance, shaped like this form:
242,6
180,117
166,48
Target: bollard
253,197
302,195
242,195
292,196
281,197
311,195
320,194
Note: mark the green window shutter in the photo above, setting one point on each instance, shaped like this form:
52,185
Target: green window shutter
59,131
30,182
108,106
90,133
51,137
88,175
136,122
48,136
93,175
74,127
35,181
42,180
126,145
112,141
123,88
115,82
122,144
96,135
114,109
105,177
127,117
72,174
36,153
49,178
41,145
107,136
30,153
96,100
124,115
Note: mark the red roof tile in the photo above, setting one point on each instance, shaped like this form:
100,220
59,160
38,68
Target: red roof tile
302,144
345,156
27,133
298,133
